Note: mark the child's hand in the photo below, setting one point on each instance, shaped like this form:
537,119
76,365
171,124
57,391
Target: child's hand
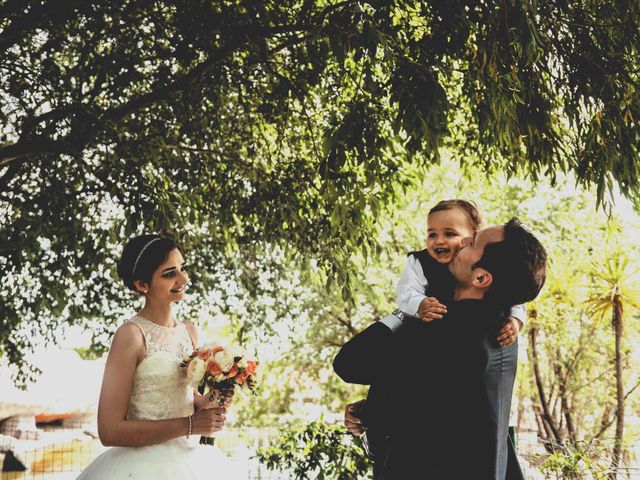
509,331
352,418
430,309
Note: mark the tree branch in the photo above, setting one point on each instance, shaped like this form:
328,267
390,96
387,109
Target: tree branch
184,148
35,146
605,423
118,114
39,13
632,389
78,138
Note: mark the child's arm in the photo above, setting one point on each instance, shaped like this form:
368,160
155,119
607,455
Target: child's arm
411,287
520,313
512,326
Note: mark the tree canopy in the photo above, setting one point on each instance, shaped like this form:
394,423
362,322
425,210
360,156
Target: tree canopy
239,125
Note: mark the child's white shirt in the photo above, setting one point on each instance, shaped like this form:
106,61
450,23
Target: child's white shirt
413,283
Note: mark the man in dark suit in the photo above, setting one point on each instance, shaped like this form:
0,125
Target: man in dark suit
447,384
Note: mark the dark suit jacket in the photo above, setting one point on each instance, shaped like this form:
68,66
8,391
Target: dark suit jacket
449,388
440,285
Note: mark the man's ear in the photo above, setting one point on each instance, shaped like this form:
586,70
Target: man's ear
141,286
482,278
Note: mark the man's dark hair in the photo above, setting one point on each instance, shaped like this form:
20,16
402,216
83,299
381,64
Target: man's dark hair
518,265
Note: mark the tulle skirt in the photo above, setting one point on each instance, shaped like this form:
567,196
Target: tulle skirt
171,460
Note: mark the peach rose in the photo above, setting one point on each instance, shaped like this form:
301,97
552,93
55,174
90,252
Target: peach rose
252,367
233,371
242,377
213,368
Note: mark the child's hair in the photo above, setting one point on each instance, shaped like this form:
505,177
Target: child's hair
468,207
141,256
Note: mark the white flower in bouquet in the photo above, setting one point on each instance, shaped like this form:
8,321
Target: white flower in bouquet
234,351
196,370
224,359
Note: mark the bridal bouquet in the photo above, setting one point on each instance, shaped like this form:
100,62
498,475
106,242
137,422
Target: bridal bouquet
219,368
216,369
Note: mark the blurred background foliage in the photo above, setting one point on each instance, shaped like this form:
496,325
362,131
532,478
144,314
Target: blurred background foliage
294,148
246,126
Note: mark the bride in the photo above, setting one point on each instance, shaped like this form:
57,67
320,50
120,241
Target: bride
147,410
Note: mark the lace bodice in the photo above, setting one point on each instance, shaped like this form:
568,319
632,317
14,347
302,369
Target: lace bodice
160,387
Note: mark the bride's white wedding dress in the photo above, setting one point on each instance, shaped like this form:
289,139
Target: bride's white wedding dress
161,391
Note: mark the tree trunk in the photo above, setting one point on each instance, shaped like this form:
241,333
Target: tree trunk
565,409
605,422
546,414
620,397
544,432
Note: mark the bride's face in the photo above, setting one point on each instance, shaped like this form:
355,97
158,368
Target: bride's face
169,281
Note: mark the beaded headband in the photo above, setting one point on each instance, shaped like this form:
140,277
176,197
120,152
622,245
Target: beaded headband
135,264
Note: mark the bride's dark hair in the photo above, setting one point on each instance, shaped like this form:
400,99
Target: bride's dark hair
141,256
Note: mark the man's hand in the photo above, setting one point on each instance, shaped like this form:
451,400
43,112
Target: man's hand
352,419
430,309
509,331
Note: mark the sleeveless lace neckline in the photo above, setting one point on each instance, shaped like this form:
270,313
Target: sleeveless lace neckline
175,322
160,388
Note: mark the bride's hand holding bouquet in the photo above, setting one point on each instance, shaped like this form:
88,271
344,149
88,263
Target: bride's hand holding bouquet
216,371
207,421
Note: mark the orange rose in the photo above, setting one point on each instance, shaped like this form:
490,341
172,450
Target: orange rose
213,368
252,367
242,377
232,373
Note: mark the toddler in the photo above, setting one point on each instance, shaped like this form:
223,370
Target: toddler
426,271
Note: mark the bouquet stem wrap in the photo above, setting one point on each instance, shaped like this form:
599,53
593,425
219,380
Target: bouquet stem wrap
205,440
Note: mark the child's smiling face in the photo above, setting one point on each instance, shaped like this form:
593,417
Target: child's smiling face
445,231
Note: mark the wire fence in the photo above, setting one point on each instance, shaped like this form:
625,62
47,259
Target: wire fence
61,451
544,459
